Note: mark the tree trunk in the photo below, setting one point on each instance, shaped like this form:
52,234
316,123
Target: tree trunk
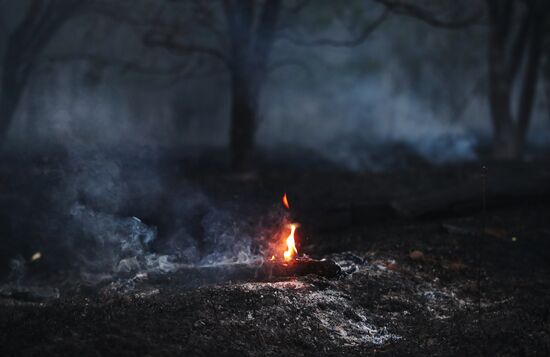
41,21
512,53
11,89
7,110
251,28
244,107
505,141
532,72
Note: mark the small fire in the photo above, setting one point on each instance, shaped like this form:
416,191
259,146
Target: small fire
289,243
291,250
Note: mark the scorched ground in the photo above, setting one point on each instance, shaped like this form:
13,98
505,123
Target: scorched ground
432,285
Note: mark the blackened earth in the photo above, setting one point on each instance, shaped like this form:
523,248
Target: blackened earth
469,284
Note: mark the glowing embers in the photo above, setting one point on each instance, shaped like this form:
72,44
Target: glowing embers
36,256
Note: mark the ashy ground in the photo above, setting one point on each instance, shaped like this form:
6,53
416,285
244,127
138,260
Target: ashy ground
456,283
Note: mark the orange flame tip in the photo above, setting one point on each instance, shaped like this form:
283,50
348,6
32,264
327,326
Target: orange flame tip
285,201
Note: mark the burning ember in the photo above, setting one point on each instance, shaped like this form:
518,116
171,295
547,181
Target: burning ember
36,256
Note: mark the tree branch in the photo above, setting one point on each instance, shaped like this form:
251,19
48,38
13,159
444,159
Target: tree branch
356,41
168,42
207,20
125,65
531,75
291,63
400,7
299,6
121,15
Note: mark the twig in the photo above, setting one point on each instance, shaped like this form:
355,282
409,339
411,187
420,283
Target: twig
262,339
352,42
426,15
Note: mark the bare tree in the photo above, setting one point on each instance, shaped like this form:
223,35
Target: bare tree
243,36
445,14
516,30
515,52
41,21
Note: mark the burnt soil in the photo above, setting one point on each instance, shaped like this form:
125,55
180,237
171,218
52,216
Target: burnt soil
462,283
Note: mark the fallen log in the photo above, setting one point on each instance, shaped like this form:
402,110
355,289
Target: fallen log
194,276
300,267
467,198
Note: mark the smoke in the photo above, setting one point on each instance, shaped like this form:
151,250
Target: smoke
119,214
389,103
392,102
101,190
203,231
360,129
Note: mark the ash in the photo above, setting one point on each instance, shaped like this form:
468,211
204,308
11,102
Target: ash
411,287
328,309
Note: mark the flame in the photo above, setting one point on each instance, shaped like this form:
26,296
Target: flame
285,201
289,242
291,250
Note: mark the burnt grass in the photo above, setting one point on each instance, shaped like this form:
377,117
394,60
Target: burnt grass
461,283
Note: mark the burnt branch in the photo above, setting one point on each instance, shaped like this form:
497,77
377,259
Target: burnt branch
291,63
356,41
205,17
124,65
170,43
426,15
120,13
298,7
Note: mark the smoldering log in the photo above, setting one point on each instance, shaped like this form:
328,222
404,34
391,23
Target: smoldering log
261,271
466,198
301,267
449,201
